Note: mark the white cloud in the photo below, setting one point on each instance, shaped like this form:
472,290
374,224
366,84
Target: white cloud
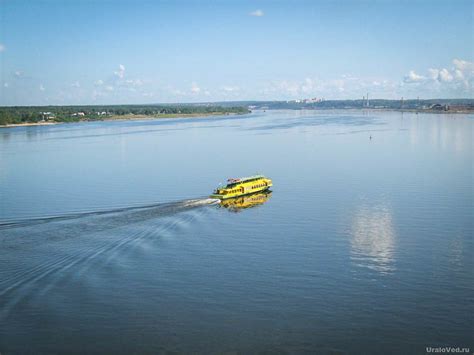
230,88
195,89
463,65
458,74
97,94
308,85
413,77
5,85
120,72
99,82
41,87
462,71
445,75
2,47
19,74
257,13
292,88
76,85
109,88
457,81
136,82
433,73
178,92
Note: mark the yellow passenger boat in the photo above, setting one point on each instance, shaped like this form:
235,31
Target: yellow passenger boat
242,186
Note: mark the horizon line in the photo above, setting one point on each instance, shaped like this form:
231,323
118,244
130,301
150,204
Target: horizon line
236,101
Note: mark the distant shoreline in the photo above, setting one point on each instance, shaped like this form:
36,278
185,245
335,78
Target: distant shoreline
367,109
137,117
127,117
386,109
412,110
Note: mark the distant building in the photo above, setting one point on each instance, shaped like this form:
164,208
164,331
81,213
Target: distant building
439,107
313,100
47,116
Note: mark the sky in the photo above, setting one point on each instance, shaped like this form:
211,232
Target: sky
72,52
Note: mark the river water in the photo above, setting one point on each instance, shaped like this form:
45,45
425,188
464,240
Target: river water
110,244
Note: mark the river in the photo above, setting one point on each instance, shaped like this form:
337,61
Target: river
110,244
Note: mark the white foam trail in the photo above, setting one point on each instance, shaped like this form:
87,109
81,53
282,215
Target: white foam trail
174,205
39,279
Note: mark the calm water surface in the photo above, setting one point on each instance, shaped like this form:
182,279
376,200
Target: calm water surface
109,244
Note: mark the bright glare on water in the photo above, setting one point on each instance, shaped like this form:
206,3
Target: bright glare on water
109,243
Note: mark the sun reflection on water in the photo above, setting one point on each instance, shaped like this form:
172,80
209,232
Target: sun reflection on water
373,239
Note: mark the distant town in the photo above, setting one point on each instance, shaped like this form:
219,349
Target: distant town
316,103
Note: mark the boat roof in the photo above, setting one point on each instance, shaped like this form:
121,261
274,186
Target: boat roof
244,179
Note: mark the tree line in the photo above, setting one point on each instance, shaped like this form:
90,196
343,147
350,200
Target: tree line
33,114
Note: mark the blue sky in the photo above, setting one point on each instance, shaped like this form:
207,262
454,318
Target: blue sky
111,52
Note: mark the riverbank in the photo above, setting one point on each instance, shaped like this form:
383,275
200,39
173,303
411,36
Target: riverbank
127,117
414,110
26,124
132,117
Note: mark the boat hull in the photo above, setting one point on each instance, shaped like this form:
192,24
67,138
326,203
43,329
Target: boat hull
229,196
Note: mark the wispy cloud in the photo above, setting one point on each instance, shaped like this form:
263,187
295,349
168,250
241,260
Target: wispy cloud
76,85
195,89
130,82
230,88
120,72
41,87
2,47
117,83
343,87
257,13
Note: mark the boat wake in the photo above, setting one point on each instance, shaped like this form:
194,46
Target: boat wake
137,213
74,248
